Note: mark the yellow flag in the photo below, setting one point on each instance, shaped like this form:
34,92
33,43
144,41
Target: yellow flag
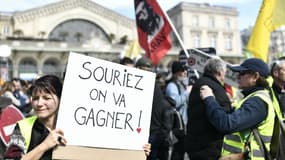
278,18
271,16
133,50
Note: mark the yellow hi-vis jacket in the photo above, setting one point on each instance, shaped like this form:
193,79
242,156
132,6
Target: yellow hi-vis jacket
275,100
26,126
235,142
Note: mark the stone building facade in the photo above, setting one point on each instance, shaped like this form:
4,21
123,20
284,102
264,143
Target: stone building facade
41,38
203,25
277,46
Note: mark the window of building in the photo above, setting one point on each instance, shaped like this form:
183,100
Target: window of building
213,40
28,65
5,29
196,40
227,23
211,22
195,21
88,32
228,43
52,66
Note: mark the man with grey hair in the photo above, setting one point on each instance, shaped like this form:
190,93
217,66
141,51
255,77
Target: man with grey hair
203,141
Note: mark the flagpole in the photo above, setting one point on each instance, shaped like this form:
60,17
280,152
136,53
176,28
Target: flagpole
178,37
175,32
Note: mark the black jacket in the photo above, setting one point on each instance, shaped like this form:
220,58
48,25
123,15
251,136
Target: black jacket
161,118
200,132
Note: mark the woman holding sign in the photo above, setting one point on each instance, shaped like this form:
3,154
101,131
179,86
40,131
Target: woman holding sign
36,137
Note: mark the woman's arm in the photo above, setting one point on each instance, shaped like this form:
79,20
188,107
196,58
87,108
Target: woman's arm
251,113
51,141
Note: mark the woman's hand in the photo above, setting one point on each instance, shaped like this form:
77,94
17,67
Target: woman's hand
55,137
147,149
205,91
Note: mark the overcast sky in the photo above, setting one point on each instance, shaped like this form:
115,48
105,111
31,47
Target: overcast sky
248,9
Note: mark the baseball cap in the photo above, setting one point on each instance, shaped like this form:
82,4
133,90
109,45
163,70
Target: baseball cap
178,67
144,62
252,64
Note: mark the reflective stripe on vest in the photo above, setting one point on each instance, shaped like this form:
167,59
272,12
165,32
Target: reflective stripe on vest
257,153
231,148
277,107
235,144
275,100
26,126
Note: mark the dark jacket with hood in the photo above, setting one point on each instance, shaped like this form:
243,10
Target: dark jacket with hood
161,118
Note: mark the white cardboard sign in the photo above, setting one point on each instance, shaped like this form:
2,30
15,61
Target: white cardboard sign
104,104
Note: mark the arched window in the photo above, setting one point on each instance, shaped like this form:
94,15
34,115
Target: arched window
69,31
27,67
52,66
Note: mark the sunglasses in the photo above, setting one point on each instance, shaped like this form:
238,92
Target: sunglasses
245,72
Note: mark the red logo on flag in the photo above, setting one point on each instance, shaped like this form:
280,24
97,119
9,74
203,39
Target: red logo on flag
8,118
153,29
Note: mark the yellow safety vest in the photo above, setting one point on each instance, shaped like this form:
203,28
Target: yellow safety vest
275,100
26,126
235,142
279,123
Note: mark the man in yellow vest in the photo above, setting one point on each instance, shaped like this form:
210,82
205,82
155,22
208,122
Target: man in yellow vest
249,128
278,84
278,90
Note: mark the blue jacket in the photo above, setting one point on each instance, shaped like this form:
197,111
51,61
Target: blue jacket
250,114
180,95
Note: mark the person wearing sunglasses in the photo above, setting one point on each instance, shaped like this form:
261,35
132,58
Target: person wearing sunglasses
278,84
278,90
249,127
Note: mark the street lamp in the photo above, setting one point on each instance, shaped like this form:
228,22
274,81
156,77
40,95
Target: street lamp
5,51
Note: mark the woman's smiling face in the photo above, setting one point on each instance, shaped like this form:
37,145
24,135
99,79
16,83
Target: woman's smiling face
45,104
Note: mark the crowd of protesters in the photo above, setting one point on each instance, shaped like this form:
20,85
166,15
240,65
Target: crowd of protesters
214,126
223,121
17,90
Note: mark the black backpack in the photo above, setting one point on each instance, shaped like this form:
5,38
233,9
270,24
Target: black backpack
178,128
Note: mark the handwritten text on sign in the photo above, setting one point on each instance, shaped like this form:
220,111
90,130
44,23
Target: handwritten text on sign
105,104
